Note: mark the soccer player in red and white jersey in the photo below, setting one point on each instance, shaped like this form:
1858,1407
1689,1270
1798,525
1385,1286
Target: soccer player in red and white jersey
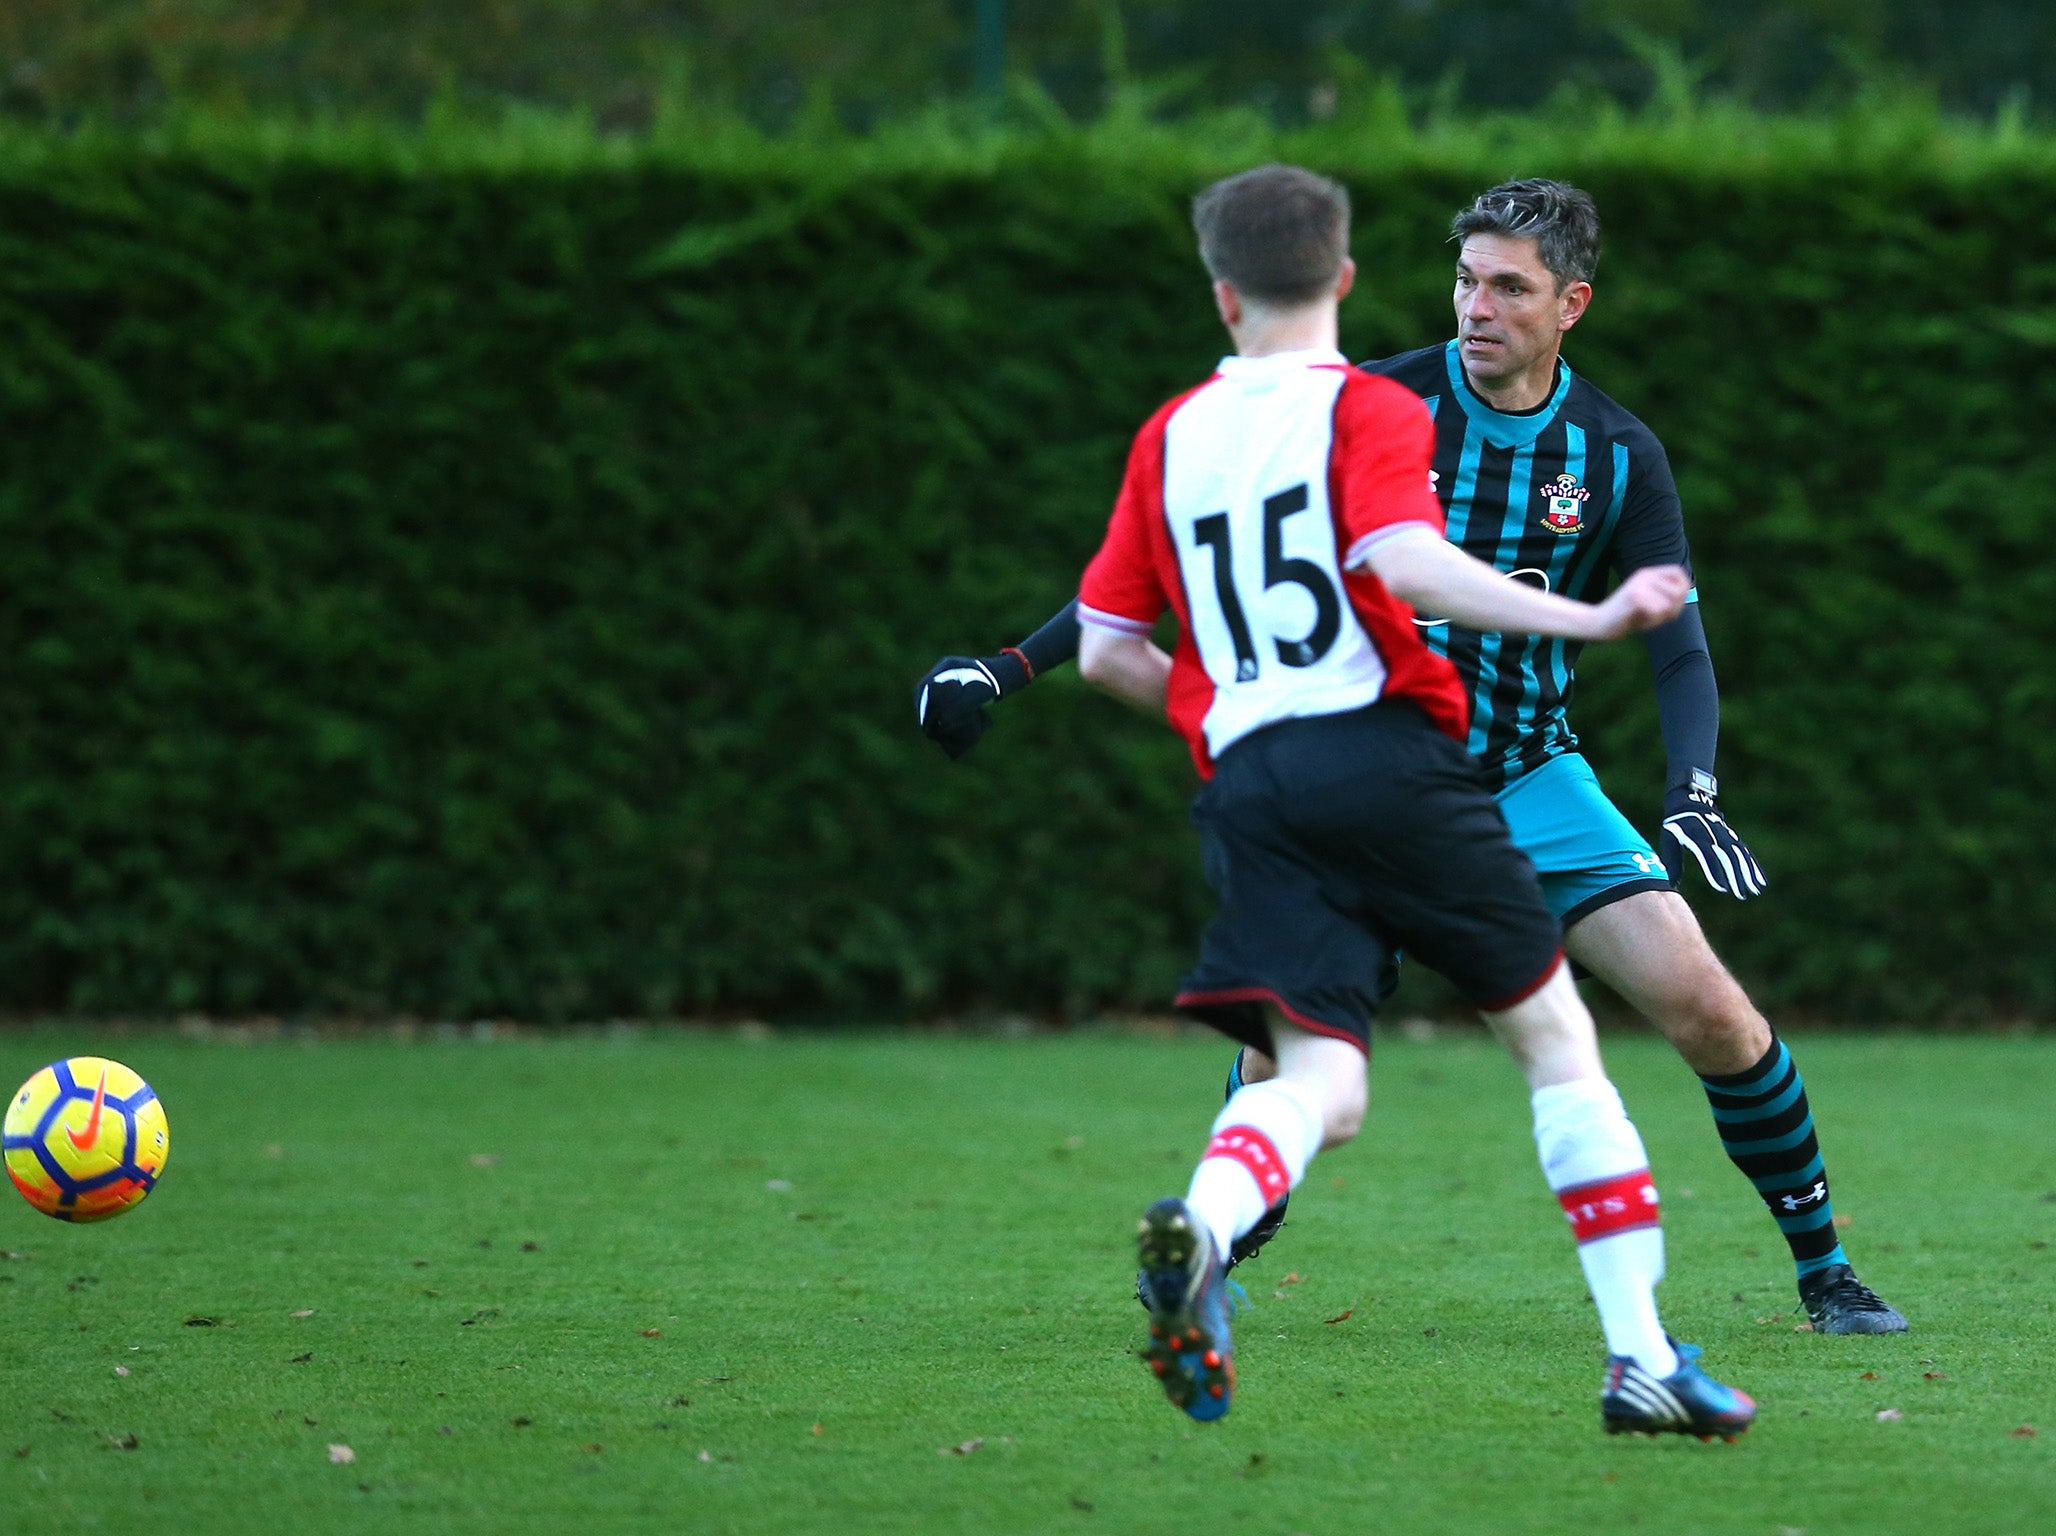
1282,511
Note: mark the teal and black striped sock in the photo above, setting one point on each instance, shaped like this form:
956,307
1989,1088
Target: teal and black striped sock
1235,1083
1767,1130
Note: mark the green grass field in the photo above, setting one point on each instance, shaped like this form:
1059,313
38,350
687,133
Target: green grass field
689,1282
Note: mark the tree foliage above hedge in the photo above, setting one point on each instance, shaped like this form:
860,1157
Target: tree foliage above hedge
132,60
485,575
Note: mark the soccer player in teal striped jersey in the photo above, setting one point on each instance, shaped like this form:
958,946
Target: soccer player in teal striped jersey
1552,482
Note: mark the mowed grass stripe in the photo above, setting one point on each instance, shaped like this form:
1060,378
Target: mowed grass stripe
921,1242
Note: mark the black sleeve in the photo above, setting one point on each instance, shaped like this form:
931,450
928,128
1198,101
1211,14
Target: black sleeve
1687,701
1652,532
1053,644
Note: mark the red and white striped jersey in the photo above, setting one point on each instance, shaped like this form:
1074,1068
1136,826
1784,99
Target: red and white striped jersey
1248,507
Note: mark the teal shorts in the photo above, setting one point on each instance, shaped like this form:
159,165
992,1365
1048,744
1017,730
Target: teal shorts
1583,848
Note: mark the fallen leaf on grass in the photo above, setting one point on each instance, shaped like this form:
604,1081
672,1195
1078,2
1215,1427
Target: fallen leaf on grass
1291,1279
303,1312
2025,1432
1890,1415
1845,1221
1934,1375
203,1322
964,1448
1802,1327
340,1455
815,1430
531,1247
120,1443
1344,1315
121,1370
595,1449
653,1333
303,1359
1870,1375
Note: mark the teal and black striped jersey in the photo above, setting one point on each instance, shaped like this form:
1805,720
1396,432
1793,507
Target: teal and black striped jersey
1560,496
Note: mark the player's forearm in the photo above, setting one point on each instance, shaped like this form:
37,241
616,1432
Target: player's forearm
1687,696
1434,577
1130,667
1053,644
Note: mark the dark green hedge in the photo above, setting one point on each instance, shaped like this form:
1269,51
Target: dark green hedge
475,583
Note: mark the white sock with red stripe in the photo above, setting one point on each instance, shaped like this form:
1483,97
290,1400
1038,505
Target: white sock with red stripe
1263,1140
1593,1158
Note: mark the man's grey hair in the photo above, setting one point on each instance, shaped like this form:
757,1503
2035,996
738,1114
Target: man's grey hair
1559,218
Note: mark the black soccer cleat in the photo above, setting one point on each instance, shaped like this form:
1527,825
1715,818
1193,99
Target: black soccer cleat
1251,1242
1837,1302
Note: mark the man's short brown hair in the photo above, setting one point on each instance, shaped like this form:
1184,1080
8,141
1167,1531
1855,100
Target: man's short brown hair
1559,218
1278,233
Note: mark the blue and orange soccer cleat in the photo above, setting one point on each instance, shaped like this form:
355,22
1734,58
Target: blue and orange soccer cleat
1686,1402
1186,1290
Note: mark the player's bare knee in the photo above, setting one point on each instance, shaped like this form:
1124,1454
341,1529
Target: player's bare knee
1345,1115
1714,1025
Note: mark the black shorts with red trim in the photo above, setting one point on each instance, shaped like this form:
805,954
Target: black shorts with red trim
1334,842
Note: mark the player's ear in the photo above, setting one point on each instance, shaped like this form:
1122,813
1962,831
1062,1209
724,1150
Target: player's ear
1346,280
1572,302
1229,303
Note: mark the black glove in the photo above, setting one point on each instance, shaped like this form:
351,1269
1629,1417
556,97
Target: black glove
951,701
1692,824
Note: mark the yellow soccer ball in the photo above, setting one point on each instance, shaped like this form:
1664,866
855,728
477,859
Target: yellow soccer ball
85,1139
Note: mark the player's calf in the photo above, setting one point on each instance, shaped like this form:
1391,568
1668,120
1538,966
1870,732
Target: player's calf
1262,1141
1595,1162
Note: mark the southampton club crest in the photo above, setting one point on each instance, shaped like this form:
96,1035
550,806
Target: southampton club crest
1566,510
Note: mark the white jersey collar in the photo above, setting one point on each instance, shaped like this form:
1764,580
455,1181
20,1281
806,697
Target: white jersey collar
1275,363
